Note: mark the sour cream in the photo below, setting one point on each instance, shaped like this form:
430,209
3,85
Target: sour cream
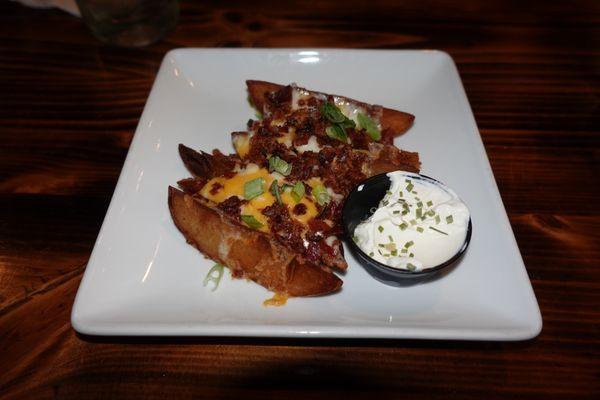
419,224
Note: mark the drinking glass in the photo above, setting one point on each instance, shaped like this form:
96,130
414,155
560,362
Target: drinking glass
129,23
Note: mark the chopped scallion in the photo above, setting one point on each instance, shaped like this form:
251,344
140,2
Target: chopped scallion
321,194
251,221
214,275
437,230
254,188
278,165
449,219
298,191
332,113
275,191
337,132
366,123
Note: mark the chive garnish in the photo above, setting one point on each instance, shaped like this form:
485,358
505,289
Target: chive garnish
251,221
366,123
409,187
413,221
214,275
396,212
437,219
321,194
419,212
449,219
332,113
419,229
337,132
390,237
410,267
408,244
411,255
394,253
298,191
380,228
275,191
371,254
431,213
254,188
278,165
404,251
420,204
403,226
430,203
437,230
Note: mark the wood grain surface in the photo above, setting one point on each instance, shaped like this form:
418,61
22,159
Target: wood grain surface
68,109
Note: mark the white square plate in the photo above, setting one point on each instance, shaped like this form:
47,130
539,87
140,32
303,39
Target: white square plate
143,279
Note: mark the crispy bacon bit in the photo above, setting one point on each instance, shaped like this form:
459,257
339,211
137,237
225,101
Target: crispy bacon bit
299,209
280,98
318,225
192,185
284,228
231,206
214,189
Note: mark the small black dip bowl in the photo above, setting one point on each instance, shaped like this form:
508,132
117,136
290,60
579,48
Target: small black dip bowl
358,207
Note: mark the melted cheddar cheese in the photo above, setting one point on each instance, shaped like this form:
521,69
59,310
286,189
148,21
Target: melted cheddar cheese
234,186
241,143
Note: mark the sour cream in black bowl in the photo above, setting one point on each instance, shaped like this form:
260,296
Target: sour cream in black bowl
406,227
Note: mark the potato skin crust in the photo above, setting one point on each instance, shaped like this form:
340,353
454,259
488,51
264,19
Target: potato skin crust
248,253
396,121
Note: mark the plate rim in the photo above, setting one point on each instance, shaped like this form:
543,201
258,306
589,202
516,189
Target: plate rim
87,327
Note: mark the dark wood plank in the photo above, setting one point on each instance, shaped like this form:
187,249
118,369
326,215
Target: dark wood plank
68,109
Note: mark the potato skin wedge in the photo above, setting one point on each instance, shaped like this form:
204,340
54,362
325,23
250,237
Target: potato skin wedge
396,121
248,253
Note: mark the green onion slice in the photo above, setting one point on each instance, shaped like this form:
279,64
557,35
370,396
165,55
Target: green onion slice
449,219
254,188
251,221
214,275
298,191
337,132
366,123
332,113
275,191
321,194
278,165
437,230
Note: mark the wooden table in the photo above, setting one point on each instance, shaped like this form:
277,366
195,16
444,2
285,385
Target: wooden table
68,110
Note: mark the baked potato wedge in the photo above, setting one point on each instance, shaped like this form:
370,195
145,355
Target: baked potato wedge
248,253
394,121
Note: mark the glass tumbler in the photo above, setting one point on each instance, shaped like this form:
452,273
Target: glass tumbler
129,23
